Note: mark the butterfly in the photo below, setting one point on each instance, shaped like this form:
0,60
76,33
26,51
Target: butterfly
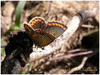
41,33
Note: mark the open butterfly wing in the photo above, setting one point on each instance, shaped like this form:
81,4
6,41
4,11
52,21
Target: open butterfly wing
55,28
39,37
28,29
43,34
42,39
37,23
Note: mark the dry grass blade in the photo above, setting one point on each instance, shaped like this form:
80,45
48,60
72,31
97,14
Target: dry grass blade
78,67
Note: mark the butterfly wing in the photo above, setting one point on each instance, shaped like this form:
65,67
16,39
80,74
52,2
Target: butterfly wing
37,23
55,28
43,34
42,39
28,29
39,37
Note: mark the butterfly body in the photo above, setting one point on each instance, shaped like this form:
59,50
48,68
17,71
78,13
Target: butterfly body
43,34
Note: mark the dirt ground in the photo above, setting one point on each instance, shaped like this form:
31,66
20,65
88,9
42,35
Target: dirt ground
60,11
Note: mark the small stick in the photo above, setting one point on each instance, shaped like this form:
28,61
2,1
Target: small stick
78,67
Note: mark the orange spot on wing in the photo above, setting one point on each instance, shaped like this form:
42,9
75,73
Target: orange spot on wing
56,24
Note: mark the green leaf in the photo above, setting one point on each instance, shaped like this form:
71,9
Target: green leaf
18,12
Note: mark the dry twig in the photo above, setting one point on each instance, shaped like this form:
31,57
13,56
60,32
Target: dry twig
58,44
